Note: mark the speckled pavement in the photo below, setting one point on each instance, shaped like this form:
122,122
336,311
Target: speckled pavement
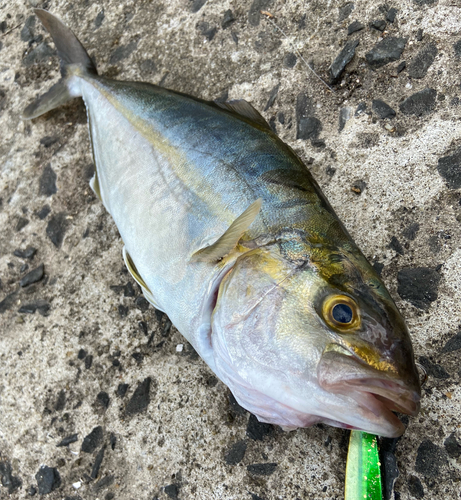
100,397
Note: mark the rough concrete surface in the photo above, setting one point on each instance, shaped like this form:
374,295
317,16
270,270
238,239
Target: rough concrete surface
84,360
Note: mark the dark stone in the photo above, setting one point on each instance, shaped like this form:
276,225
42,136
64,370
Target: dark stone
42,306
32,491
387,50
306,126
227,19
401,66
256,497
234,407
378,267
262,469
123,311
235,453
415,487
254,14
103,483
197,5
3,26
112,440
452,447
410,231
449,167
424,2
121,390
7,302
420,103
429,459
345,11
22,223
68,440
33,276
81,354
454,344
93,440
341,61
272,97
418,285
257,430
61,401
207,31
419,35
272,124
56,228
48,141
138,357
28,253
361,108
40,54
389,472
88,361
418,66
382,109
48,479
354,27
457,48
396,245
433,369
12,483
289,60
43,212
172,490
148,66
391,13
359,186
143,326
142,303
103,399
97,463
47,182
122,52
378,24
28,31
140,399
99,19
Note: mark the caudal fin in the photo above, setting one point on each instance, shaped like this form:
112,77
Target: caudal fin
74,60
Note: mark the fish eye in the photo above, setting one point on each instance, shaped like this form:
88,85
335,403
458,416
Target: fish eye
341,312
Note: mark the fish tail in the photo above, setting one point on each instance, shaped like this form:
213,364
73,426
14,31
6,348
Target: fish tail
75,61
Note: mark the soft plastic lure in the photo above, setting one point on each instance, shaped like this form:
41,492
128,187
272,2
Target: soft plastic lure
363,474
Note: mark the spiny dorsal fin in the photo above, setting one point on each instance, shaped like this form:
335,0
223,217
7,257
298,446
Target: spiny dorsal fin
245,109
231,237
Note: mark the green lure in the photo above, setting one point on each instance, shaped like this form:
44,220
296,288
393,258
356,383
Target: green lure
363,475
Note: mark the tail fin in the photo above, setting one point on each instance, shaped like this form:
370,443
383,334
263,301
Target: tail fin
74,60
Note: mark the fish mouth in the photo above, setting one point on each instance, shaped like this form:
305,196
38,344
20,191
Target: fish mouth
377,394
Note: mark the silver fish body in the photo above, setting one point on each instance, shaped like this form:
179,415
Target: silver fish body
291,316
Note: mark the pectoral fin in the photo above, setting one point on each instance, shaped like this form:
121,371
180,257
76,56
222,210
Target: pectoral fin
136,276
231,237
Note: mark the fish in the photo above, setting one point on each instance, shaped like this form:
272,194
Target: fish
227,232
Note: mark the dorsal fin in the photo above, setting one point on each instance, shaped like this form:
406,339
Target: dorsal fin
229,240
245,109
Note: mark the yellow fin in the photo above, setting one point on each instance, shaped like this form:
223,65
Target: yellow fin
231,237
133,271
94,185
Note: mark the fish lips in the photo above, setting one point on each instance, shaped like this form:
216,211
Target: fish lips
378,394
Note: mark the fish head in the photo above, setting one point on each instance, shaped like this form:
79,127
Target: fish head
298,346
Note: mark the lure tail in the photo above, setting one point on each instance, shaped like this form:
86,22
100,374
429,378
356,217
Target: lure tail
75,61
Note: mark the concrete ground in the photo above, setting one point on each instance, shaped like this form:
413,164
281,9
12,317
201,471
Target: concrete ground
84,359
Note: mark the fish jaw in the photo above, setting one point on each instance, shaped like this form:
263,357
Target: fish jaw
377,394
